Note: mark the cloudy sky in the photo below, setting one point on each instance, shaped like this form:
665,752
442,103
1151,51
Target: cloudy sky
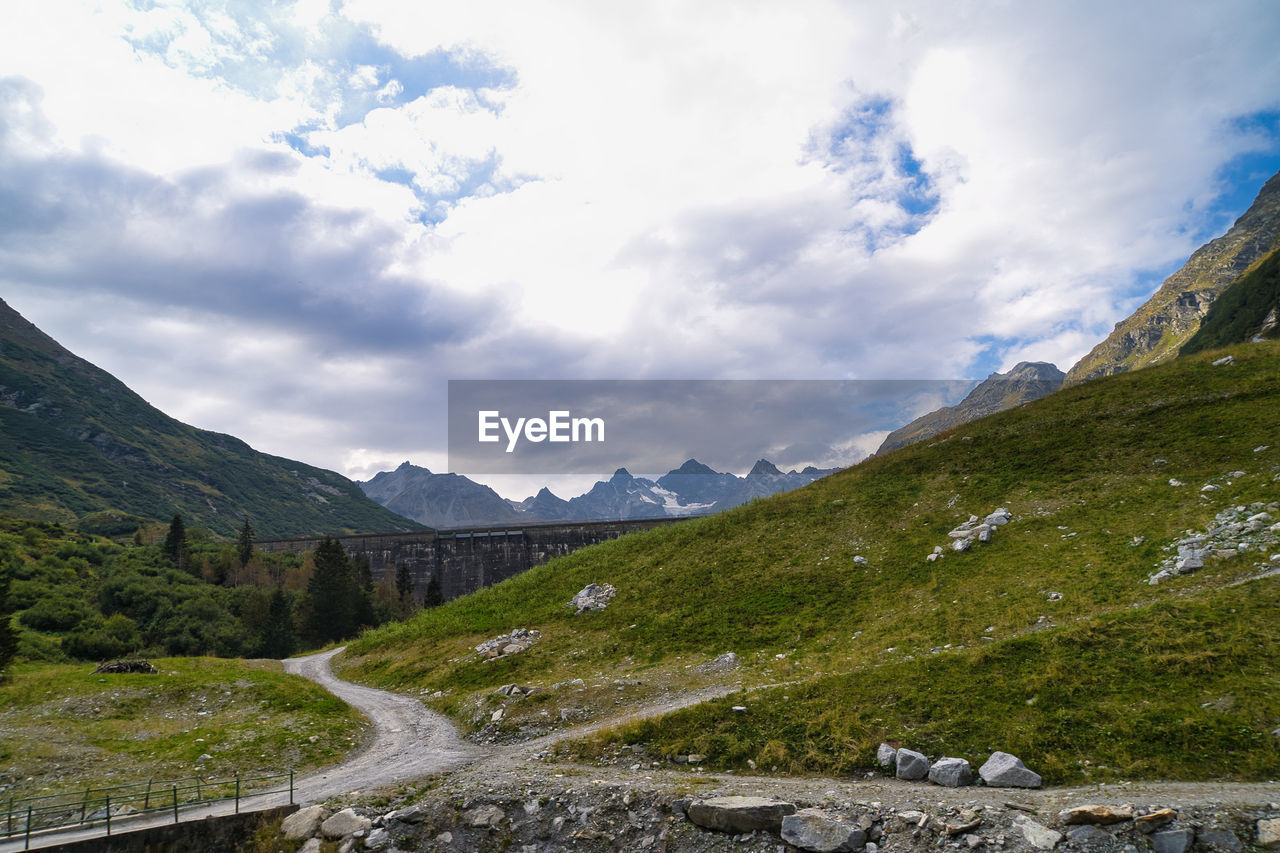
294,222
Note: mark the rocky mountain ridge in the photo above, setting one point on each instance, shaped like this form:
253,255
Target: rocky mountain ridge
1024,382
451,500
1156,331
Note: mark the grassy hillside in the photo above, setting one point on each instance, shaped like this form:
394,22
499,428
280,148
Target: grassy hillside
67,728
78,447
905,649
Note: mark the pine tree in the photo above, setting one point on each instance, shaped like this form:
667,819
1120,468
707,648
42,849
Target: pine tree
175,543
434,595
244,547
365,615
277,639
8,634
332,595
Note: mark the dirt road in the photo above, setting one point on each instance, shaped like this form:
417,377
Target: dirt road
409,741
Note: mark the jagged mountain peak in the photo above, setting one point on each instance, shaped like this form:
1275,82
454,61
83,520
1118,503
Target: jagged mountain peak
764,468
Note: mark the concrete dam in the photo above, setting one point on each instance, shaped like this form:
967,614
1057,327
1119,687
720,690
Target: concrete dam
466,560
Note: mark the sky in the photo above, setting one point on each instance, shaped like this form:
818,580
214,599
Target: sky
296,222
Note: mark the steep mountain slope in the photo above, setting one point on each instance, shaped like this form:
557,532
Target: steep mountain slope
77,446
1049,641
1025,382
438,500
1247,310
1157,330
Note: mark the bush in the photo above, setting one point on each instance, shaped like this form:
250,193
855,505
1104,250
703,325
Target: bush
116,637
54,614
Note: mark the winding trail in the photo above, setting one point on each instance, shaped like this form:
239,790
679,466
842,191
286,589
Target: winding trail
409,740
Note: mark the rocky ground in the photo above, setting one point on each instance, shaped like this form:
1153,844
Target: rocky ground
519,798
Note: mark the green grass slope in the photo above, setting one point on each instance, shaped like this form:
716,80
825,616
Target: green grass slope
1242,310
78,447
1048,642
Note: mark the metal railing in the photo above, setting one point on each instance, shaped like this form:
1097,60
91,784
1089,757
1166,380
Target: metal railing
27,816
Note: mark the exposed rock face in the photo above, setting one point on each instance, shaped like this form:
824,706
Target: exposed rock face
1027,381
1157,330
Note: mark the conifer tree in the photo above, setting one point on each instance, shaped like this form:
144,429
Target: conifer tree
175,543
277,639
244,547
434,595
331,595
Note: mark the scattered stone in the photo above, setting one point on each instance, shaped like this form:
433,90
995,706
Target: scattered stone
1155,820
860,560
821,832
726,662
1175,482
377,840
1089,834
951,773
484,817
1269,832
911,765
508,644
1225,360
1003,770
408,814
304,822
1173,840
126,667
312,845
962,544
739,814
1038,836
962,828
1220,839
593,597
1095,814
886,755
344,823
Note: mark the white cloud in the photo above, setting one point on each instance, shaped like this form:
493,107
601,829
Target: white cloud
721,189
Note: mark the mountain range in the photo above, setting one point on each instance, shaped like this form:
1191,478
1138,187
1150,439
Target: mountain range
451,500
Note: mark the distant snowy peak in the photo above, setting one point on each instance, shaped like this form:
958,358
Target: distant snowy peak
450,500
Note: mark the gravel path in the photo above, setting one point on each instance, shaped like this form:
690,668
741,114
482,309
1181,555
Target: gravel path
409,741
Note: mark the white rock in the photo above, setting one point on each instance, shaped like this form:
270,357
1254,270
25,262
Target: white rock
1039,837
1225,360
303,822
344,823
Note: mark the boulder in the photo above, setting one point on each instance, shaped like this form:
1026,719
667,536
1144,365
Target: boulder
1039,837
312,846
1220,839
1088,834
886,755
951,773
1173,840
304,822
344,823
912,765
486,816
1269,832
821,832
1003,770
739,814
408,814
1095,814
379,839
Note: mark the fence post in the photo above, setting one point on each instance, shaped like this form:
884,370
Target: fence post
9,820
146,802
84,807
108,814
199,795
290,787
27,845
175,802
237,793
